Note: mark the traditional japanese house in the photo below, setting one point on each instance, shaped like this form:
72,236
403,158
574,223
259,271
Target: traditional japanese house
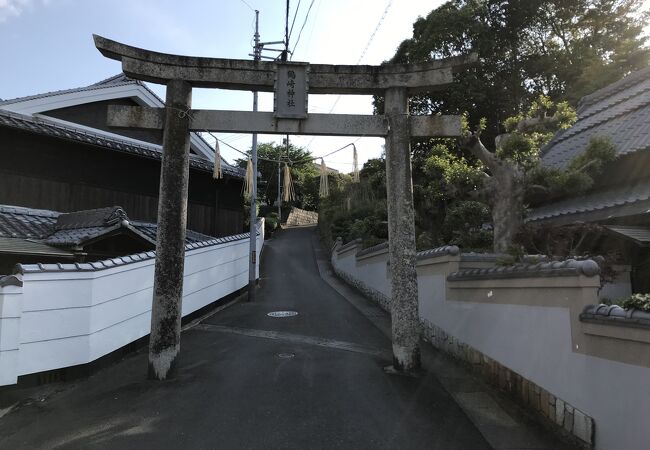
620,200
58,155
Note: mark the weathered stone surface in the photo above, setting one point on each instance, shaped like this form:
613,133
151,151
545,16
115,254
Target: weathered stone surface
568,418
121,116
559,412
524,391
543,402
298,217
401,233
583,426
533,396
249,75
164,343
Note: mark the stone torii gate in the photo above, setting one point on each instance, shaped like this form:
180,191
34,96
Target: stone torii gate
291,82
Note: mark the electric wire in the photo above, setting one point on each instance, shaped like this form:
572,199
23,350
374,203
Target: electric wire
293,22
247,4
363,53
302,28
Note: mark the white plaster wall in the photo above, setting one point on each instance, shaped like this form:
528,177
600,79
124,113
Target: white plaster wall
535,341
375,271
64,318
10,312
346,261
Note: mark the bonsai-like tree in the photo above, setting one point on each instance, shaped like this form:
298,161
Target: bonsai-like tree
513,170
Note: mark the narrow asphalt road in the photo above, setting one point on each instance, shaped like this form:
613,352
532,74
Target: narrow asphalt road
247,380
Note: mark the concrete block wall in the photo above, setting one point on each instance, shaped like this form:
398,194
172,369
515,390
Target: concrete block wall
54,316
521,328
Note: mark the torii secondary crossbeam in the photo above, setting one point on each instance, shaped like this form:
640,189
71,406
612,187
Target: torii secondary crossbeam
291,83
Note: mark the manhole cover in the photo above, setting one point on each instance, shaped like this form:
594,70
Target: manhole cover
282,314
286,355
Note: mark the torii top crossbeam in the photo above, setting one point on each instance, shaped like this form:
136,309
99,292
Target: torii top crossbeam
248,75
262,76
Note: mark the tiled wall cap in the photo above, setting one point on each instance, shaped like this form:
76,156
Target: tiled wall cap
11,280
374,248
615,315
487,257
568,267
350,244
99,265
451,250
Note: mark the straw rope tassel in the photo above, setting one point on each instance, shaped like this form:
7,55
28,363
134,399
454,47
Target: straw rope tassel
289,194
217,173
355,164
324,188
248,181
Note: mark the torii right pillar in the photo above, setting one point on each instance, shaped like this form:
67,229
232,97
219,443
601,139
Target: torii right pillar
401,233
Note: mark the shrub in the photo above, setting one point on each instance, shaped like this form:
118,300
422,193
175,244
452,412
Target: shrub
270,223
635,301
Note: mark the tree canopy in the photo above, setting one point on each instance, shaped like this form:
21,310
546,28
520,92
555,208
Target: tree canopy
303,173
564,49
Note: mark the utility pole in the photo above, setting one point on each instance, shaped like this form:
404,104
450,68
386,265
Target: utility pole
252,266
284,55
279,185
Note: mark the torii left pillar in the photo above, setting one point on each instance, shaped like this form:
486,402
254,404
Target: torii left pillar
401,234
164,342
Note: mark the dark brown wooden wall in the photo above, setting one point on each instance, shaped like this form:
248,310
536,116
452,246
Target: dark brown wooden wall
51,173
95,115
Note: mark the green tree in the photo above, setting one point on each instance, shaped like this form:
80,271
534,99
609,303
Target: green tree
304,174
564,49
514,170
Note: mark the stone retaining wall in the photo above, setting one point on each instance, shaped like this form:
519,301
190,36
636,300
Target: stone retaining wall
300,217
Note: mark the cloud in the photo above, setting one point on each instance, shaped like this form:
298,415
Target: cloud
14,8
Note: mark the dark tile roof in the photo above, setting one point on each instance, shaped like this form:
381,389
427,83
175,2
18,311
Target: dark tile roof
73,229
44,127
26,223
15,246
150,230
91,218
82,236
625,200
620,111
116,80
638,234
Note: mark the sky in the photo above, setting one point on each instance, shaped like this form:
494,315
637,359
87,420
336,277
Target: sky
46,45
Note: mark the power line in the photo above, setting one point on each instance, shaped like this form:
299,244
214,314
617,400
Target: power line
372,37
293,22
311,34
302,27
363,53
287,159
246,3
